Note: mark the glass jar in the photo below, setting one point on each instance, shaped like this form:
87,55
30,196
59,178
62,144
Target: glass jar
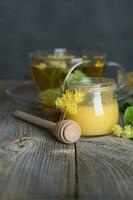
99,111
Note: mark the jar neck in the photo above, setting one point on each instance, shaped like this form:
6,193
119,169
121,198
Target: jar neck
91,85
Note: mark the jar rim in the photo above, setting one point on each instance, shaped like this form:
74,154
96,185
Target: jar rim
90,84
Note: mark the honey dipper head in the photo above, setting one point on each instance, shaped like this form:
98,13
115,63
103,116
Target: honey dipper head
67,131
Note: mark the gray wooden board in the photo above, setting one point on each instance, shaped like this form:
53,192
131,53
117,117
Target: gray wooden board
34,165
105,168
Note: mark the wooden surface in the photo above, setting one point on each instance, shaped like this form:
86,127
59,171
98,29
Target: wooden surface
34,166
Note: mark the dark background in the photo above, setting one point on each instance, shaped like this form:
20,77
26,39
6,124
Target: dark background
27,25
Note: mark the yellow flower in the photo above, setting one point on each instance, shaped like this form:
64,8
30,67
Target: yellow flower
79,96
72,108
126,131
69,94
117,130
69,101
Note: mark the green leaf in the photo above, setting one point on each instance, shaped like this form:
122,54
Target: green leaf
72,77
128,116
48,97
76,75
80,74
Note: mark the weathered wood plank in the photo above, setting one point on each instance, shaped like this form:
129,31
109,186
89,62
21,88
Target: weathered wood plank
33,165
37,168
104,168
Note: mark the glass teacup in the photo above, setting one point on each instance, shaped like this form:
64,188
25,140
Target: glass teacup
49,68
96,65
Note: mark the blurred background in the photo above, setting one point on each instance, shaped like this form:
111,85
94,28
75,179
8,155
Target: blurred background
28,25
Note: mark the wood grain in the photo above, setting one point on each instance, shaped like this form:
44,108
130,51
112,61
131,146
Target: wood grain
36,168
34,165
104,168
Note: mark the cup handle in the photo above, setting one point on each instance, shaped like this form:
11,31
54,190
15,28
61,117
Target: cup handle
121,74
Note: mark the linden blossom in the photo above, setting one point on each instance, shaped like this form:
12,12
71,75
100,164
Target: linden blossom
126,131
69,101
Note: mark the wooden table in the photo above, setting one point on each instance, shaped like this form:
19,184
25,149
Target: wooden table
34,166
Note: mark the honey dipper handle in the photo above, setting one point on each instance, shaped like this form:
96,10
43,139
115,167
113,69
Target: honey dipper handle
34,120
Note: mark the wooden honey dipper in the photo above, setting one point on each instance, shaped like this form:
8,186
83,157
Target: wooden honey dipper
67,131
